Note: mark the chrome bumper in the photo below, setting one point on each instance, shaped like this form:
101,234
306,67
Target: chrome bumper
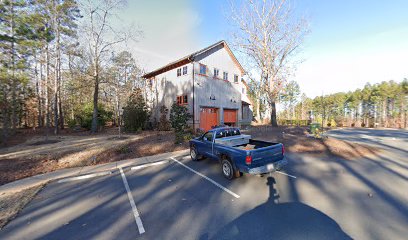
271,167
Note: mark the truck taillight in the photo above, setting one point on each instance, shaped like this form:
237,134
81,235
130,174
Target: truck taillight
248,160
283,149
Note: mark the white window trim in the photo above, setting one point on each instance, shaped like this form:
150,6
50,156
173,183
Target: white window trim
223,76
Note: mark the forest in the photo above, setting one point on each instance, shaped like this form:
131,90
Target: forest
63,63
376,105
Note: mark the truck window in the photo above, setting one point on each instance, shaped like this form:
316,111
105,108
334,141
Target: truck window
220,134
208,136
236,132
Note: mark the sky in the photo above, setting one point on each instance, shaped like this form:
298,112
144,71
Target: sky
350,43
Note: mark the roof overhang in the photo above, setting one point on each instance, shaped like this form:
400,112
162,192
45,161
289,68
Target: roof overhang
190,58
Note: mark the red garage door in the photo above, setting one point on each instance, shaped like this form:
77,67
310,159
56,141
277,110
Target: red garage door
230,117
208,118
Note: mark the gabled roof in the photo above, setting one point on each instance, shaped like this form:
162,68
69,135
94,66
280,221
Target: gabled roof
190,58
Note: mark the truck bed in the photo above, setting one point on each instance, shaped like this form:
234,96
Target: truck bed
254,144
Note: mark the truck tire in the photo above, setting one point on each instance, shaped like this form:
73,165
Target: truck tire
194,154
227,169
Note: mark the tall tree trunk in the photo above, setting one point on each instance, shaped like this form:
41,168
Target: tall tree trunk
13,78
61,113
274,123
258,111
94,127
38,78
47,100
57,68
5,114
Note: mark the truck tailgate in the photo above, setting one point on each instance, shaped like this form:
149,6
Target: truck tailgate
265,155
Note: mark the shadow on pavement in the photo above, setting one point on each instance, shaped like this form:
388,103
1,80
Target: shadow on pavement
274,220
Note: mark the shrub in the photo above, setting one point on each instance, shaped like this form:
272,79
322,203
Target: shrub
329,124
363,124
178,117
353,124
86,115
135,114
72,123
199,132
164,124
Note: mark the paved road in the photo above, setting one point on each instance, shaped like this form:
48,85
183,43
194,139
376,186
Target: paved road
389,139
329,199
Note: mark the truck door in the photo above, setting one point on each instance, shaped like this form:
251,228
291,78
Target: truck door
207,144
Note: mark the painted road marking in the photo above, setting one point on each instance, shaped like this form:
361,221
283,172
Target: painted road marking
207,178
149,165
286,174
85,176
132,203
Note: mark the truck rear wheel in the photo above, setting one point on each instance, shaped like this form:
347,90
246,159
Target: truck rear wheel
228,170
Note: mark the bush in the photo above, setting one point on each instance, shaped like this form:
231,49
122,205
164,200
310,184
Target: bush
199,132
363,124
72,123
178,117
329,124
86,115
353,124
135,114
164,124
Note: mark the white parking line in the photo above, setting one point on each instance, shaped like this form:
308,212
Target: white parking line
286,174
92,175
132,203
149,165
207,178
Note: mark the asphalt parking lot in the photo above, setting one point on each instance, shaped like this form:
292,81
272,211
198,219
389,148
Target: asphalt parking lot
181,199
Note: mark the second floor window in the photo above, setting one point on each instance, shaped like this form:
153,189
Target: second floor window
184,70
225,76
243,90
216,72
203,69
182,100
178,72
235,78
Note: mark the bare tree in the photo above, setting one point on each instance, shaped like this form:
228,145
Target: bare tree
269,36
101,36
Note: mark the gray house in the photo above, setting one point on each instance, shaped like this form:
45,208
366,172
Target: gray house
209,82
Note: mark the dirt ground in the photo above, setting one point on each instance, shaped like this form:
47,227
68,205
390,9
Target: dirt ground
36,156
33,155
297,140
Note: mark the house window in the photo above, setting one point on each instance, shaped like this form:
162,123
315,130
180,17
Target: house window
235,78
150,82
182,100
203,69
178,72
243,90
184,70
216,72
225,76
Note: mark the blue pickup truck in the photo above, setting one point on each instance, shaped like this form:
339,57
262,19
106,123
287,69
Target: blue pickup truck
238,153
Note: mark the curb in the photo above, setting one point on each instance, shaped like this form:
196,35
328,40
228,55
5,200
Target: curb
80,172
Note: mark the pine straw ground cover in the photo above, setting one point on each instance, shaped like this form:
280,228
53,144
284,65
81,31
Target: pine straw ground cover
34,156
